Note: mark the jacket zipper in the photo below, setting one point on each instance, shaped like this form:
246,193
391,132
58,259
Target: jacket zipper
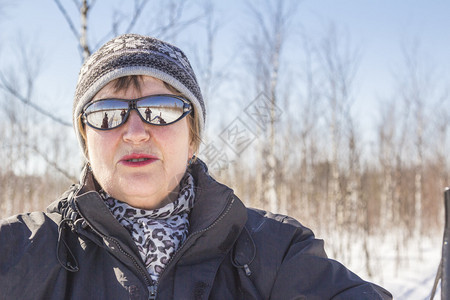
153,288
152,292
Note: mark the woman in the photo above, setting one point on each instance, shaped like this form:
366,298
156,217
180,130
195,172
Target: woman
146,220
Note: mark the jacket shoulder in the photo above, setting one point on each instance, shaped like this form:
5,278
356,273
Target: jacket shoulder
266,242
295,262
260,220
29,222
26,235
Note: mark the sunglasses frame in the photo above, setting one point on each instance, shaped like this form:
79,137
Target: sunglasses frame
132,105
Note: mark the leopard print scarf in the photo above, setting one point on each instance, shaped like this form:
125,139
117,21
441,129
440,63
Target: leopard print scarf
160,232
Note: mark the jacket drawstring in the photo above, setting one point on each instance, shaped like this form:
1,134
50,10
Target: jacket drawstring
71,264
69,218
244,252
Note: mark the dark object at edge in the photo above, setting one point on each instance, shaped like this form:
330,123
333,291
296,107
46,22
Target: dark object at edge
443,272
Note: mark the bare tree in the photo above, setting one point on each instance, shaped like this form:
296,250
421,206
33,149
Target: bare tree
81,35
23,136
84,8
439,159
339,62
210,76
414,94
271,20
411,134
170,19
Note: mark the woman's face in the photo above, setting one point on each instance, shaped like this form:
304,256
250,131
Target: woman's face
139,163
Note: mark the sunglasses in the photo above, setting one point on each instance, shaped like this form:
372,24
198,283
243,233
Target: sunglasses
161,110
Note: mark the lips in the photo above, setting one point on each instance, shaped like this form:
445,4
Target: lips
137,160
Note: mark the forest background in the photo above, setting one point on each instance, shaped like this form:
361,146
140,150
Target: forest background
334,112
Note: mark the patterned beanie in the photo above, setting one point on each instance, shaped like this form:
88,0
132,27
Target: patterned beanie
132,54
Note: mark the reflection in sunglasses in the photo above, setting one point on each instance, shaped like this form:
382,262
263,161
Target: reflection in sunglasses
156,110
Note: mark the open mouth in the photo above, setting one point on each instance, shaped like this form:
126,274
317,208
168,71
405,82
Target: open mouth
137,160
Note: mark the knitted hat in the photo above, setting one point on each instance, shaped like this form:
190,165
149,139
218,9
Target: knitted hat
132,54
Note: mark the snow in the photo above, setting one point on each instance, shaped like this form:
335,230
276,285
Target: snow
406,269
416,276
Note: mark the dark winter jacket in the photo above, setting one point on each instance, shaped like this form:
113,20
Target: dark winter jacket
77,250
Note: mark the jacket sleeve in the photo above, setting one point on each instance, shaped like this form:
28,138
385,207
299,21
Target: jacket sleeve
306,271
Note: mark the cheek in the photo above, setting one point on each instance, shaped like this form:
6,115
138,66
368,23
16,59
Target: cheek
175,141
91,142
97,145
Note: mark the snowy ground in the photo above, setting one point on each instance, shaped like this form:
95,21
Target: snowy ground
415,278
408,271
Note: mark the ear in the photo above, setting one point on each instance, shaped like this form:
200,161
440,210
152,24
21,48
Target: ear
191,150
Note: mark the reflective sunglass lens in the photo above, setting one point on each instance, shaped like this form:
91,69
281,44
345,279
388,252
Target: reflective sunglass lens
160,110
106,114
156,110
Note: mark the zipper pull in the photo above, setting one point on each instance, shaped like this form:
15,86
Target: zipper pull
152,292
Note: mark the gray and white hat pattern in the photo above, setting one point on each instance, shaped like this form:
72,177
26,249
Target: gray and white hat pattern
132,54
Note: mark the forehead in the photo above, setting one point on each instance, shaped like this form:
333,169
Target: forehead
148,86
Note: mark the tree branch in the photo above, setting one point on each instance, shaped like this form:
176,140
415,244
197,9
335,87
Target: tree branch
83,36
5,85
138,9
53,164
68,19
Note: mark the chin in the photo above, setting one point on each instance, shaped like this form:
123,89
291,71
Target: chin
140,184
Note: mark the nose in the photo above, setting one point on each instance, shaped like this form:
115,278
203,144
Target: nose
136,131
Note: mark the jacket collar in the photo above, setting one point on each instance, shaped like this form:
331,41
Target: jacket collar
96,214
218,215
212,200
217,218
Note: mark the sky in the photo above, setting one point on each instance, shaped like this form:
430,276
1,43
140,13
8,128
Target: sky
376,28
379,28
